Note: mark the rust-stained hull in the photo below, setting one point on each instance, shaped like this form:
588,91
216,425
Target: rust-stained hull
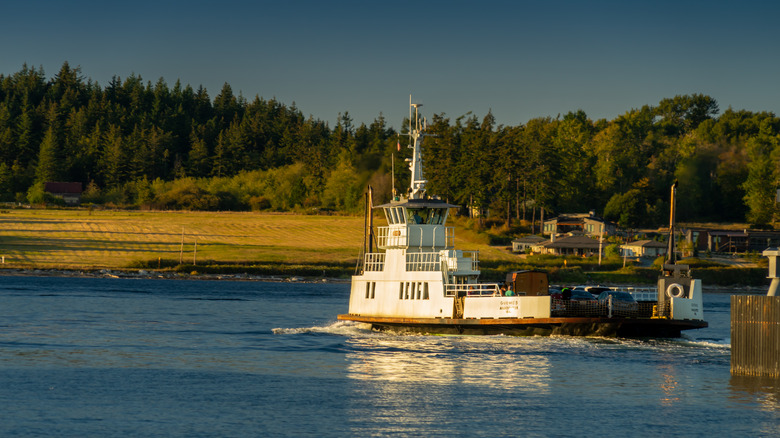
571,326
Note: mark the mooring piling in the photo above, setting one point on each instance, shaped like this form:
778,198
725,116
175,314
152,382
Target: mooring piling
755,328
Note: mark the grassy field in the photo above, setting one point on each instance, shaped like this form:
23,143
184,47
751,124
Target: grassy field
82,239
262,244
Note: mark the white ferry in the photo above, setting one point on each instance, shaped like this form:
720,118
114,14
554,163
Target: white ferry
418,282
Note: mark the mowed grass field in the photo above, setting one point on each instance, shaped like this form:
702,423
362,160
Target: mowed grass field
82,239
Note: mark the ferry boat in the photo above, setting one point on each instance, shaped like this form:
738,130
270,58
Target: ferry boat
418,282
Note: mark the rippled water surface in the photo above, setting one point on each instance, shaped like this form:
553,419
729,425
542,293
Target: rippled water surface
124,357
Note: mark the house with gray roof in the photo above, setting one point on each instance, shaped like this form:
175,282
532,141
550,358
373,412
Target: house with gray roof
644,248
570,245
523,244
587,223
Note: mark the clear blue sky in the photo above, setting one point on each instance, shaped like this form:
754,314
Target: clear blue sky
520,59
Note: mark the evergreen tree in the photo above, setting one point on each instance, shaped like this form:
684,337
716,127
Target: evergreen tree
26,139
442,145
226,107
219,167
198,160
67,88
75,155
6,187
114,157
48,168
7,146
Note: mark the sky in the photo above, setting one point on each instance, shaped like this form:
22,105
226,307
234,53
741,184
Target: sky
516,59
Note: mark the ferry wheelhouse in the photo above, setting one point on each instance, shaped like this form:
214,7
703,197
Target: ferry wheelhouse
417,281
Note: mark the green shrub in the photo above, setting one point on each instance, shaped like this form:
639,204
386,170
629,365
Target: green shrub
612,250
729,276
185,194
699,263
571,275
259,203
159,263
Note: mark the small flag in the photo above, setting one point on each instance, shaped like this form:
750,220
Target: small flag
399,145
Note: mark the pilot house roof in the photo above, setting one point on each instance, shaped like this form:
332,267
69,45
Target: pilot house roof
419,203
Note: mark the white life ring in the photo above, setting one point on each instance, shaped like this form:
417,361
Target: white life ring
680,291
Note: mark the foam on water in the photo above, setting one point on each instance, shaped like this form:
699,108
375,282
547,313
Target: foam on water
345,328
351,328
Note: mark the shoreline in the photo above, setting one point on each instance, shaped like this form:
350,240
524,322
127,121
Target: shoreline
145,274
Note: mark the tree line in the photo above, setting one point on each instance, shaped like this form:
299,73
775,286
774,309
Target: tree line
726,165
143,145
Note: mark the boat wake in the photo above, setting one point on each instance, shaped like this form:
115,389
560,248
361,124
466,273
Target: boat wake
357,329
708,343
336,328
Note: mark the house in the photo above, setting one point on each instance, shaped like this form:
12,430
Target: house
523,244
644,248
732,241
572,244
588,223
70,192
726,241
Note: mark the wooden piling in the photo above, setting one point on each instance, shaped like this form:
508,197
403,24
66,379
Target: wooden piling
755,335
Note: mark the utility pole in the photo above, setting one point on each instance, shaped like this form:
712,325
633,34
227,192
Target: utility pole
601,242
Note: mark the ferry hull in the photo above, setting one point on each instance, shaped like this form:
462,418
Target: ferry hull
568,326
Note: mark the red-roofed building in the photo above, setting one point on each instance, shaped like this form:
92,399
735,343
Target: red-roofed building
70,192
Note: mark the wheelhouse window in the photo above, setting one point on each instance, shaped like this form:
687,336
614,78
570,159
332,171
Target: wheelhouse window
394,215
416,215
426,216
437,216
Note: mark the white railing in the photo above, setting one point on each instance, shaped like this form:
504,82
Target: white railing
423,237
374,261
385,238
474,256
449,237
481,289
454,261
422,261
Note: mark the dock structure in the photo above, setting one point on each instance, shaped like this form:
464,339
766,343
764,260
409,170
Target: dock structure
755,328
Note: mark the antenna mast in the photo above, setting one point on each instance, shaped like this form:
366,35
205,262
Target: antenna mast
416,134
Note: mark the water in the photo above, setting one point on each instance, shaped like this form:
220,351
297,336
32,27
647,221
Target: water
121,357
